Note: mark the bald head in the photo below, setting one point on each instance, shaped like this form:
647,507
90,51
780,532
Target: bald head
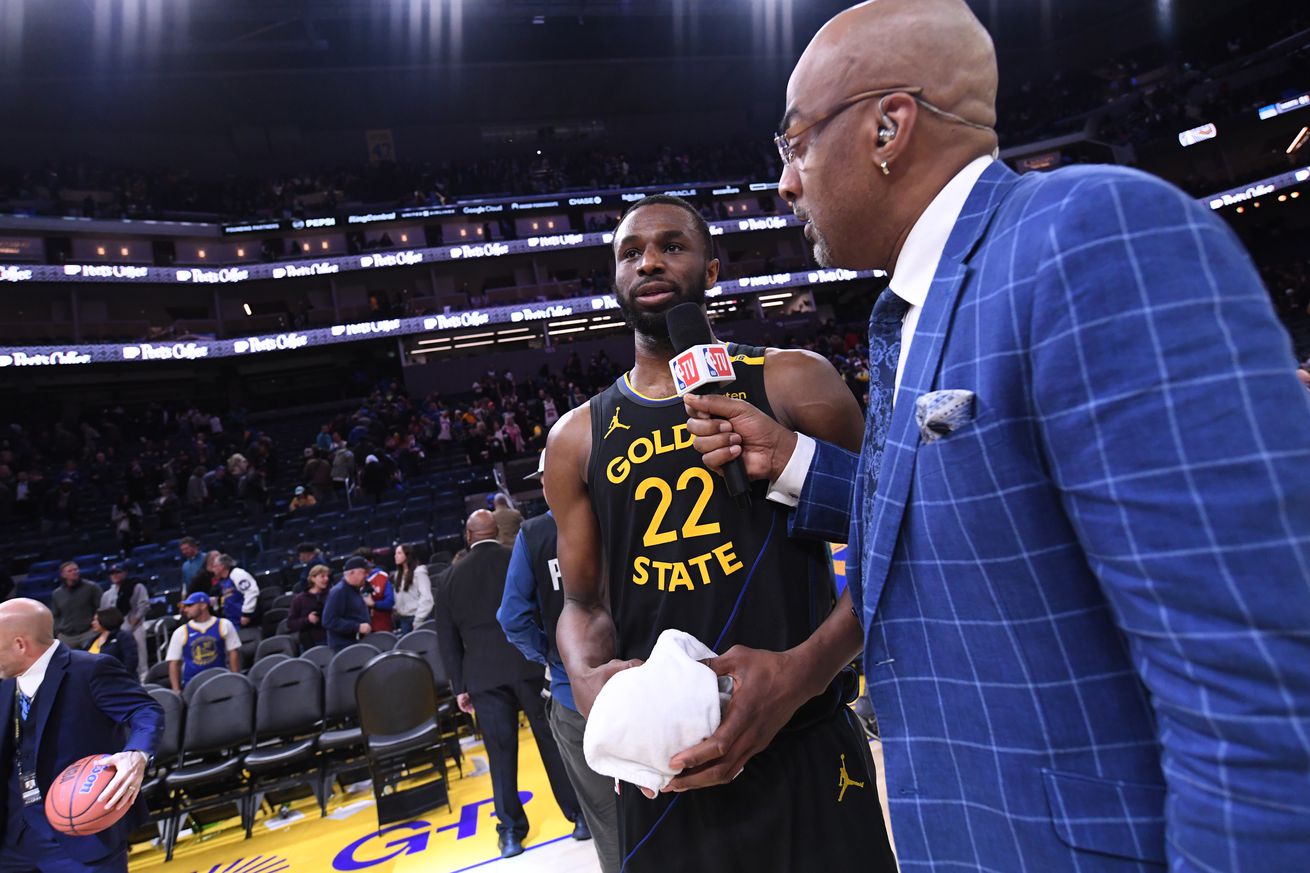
26,632
481,526
891,99
936,45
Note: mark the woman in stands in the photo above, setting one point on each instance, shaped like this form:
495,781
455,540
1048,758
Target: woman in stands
305,616
413,590
111,639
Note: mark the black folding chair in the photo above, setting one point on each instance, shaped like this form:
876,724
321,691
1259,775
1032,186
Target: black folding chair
402,736
288,720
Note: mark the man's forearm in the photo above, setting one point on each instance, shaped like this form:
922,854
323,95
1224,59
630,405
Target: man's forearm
175,675
586,637
833,645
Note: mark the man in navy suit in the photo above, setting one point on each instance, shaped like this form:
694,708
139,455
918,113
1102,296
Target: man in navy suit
1079,525
58,706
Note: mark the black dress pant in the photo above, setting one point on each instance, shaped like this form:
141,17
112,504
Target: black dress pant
498,718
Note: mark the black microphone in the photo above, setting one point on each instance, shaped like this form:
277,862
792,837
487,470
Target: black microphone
689,327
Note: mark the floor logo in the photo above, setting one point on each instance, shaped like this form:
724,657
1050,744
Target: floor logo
409,838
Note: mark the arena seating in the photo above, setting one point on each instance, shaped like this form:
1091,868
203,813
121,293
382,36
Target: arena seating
231,739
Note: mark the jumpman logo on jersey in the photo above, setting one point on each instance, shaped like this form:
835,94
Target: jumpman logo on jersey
616,424
845,781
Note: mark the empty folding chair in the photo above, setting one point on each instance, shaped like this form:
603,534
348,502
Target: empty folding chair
166,756
261,667
424,643
401,730
219,725
288,719
342,742
191,688
319,655
383,641
269,645
250,638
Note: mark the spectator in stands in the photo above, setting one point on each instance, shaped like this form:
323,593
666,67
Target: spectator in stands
323,442
305,617
131,599
318,476
308,556
198,645
508,521
60,509
413,589
197,492
252,488
169,509
222,489
206,581
343,468
240,591
346,614
73,604
126,517
193,561
301,500
112,639
378,593
374,480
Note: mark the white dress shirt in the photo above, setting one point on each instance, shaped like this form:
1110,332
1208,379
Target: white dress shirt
29,681
915,269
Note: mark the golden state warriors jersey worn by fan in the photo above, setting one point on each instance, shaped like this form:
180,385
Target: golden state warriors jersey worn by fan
679,552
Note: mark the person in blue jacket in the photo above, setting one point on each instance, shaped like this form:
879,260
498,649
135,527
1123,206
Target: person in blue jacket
58,706
346,615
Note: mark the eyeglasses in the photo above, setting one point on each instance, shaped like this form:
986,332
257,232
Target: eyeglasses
786,141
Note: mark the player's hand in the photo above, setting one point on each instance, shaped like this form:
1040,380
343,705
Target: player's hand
129,771
738,429
587,686
465,702
365,629
245,620
765,694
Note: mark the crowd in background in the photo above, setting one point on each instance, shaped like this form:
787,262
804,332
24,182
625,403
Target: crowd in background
1156,93
157,461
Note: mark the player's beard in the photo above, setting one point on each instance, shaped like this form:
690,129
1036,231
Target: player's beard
654,323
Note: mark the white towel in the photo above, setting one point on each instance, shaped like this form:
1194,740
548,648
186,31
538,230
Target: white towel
646,715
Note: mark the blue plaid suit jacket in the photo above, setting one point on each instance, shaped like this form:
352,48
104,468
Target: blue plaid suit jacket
1087,611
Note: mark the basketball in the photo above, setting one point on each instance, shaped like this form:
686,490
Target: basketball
74,805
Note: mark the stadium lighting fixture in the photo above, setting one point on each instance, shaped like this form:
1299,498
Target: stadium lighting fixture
1299,140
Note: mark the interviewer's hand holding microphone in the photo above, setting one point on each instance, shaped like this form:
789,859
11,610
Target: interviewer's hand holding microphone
742,443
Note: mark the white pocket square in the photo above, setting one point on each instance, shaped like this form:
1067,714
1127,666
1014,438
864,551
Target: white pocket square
941,413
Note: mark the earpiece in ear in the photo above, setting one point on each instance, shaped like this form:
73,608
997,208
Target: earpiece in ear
887,132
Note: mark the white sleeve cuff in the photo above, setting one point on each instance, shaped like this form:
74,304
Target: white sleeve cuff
786,489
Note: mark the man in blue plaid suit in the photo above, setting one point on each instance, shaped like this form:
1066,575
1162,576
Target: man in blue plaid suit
1080,522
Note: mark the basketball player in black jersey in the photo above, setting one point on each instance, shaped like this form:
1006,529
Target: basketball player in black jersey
649,539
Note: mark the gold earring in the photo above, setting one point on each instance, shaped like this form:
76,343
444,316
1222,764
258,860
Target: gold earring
883,167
